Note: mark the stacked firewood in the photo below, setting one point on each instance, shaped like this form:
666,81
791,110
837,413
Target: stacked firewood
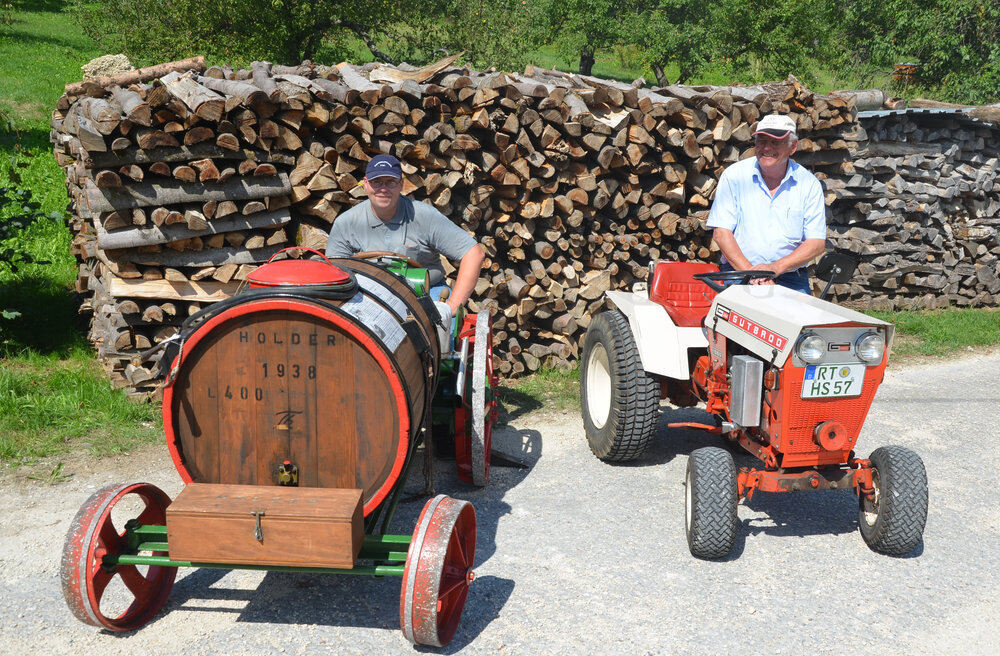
574,185
182,180
918,204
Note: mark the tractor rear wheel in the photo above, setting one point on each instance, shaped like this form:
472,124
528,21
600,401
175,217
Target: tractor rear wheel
892,518
619,399
711,498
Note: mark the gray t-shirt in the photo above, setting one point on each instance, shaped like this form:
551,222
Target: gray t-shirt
417,230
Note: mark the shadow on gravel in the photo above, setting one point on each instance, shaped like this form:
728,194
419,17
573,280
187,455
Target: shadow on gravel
823,512
668,443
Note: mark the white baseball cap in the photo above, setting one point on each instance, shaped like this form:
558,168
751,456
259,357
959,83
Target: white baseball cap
778,126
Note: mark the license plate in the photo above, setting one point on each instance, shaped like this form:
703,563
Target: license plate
830,380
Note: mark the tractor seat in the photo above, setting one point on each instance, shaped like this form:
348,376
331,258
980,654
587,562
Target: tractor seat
685,299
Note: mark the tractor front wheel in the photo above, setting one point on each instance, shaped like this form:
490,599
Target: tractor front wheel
892,517
711,498
619,399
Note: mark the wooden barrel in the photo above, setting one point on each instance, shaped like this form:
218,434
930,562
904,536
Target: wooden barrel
336,385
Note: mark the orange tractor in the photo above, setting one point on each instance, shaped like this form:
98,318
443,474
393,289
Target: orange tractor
786,376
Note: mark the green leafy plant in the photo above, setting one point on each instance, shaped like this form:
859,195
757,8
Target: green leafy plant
56,475
18,210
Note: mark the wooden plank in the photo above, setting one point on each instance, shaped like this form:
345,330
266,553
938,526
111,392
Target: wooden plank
146,194
208,291
151,235
138,75
202,150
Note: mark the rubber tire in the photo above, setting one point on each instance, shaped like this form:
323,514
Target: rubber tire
634,398
711,498
899,519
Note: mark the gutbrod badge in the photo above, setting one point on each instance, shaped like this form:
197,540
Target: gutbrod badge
752,328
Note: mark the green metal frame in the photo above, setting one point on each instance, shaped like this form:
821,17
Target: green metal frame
417,277
386,553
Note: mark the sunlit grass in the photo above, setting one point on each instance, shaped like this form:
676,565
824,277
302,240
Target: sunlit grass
57,403
943,332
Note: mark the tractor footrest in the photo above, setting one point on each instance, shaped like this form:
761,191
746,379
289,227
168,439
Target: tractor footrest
266,525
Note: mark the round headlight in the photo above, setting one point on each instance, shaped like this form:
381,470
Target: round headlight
811,348
870,348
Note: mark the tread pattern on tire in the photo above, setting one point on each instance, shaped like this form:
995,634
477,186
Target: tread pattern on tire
714,499
635,398
899,526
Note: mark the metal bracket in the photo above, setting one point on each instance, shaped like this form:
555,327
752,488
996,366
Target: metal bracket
258,533
462,366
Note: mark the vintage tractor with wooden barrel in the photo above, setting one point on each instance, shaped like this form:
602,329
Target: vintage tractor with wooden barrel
293,412
786,376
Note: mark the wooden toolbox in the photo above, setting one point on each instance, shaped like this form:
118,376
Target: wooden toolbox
266,525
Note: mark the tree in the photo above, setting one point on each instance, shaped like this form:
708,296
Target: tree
672,31
235,31
289,31
498,33
580,28
955,42
747,40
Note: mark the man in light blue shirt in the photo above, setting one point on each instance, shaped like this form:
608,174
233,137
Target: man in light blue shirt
768,213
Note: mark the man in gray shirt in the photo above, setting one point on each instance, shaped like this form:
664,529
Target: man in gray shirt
388,221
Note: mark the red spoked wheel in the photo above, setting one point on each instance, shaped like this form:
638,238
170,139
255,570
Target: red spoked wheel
438,571
132,598
475,417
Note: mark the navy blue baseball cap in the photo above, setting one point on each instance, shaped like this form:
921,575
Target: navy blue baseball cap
383,166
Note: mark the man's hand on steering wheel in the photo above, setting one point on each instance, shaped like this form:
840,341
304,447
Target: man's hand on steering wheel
719,280
764,267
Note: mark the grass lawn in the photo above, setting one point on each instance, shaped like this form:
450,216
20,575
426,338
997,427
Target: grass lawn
54,397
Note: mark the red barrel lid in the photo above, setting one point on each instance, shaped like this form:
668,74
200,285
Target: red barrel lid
297,273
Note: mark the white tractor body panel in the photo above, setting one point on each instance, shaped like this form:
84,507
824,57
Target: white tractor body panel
765,318
663,346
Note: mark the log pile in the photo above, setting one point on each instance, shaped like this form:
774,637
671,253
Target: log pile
918,203
182,182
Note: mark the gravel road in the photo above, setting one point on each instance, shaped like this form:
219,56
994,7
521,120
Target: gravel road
578,557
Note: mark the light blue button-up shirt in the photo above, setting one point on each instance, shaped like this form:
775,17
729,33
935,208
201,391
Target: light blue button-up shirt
767,228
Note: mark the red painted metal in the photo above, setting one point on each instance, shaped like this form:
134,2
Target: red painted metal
709,377
341,321
297,273
856,474
791,422
831,435
750,480
803,443
92,535
691,424
438,571
687,301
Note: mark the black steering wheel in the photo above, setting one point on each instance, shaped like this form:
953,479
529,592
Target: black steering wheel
726,278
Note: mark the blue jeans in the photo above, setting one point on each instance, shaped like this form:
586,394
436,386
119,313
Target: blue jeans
797,280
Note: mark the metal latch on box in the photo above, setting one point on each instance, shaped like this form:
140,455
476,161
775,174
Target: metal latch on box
258,533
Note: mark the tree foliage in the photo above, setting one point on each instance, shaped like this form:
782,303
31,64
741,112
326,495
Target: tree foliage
956,43
235,31
748,41
580,28
289,31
